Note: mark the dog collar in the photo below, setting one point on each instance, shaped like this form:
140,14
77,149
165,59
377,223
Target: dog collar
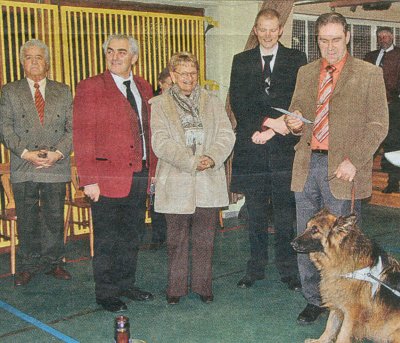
369,274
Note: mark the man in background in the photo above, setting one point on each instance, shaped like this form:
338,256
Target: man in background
112,154
36,125
263,78
388,58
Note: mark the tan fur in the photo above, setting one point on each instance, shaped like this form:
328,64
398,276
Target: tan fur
354,313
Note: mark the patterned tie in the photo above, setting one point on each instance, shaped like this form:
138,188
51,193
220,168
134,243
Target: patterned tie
267,72
39,102
321,127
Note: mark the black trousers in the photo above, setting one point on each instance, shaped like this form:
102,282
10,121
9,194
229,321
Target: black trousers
118,229
271,186
40,228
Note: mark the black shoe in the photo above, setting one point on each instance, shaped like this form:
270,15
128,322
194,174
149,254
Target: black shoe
112,304
391,189
137,294
207,299
310,314
173,300
248,280
293,283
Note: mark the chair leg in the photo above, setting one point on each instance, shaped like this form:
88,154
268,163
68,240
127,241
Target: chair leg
91,233
67,223
12,248
221,219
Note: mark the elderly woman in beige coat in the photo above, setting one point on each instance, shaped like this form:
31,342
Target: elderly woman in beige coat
192,137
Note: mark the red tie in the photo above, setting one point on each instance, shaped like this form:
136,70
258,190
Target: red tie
321,127
39,102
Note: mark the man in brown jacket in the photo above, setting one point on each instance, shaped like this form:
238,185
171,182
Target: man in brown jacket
345,98
388,58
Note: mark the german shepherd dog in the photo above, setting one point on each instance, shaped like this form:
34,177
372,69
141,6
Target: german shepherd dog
360,305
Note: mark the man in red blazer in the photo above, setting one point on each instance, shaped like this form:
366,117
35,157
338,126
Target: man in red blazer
112,154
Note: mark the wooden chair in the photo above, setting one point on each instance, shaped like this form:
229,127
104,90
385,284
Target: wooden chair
84,213
8,218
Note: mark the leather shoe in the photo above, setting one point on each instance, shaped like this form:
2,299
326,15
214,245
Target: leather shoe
248,280
391,188
293,283
173,300
310,314
112,304
59,273
137,294
207,299
23,278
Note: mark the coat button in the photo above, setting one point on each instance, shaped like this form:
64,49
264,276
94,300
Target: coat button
308,143
26,131
36,146
130,164
55,130
23,116
132,146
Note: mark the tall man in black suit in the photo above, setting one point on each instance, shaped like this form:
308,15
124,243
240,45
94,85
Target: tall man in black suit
388,58
262,78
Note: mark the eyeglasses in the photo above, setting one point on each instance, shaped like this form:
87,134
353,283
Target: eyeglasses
187,75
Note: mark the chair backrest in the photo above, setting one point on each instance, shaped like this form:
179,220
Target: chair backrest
75,182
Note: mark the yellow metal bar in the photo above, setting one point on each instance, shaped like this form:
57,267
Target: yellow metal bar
65,36
76,48
9,57
71,52
82,40
92,32
88,35
16,45
3,56
101,52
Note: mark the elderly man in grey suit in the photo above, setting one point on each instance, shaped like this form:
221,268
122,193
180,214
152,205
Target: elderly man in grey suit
36,125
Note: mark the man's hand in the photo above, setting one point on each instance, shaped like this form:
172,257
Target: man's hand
346,171
204,163
34,158
262,137
52,158
92,191
278,125
294,124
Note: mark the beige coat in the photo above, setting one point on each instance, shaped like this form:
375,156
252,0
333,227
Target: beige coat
179,187
358,122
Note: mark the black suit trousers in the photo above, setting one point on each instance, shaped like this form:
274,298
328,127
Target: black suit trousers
40,227
271,186
118,229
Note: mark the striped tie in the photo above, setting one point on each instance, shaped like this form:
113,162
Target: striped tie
39,103
321,127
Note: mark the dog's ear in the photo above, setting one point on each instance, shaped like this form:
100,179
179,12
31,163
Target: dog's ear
345,224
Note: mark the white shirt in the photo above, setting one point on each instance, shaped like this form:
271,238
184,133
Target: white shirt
42,87
380,56
119,81
273,52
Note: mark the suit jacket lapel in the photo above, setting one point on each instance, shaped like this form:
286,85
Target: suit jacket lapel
50,103
28,104
345,76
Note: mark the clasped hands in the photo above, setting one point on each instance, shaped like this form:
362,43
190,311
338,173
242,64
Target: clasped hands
42,158
204,163
274,126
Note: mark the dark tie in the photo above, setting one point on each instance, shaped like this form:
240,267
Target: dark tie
132,101
39,102
383,57
321,127
267,72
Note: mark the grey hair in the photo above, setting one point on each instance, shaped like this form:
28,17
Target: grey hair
133,44
34,43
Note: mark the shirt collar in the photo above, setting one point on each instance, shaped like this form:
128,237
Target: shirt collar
120,80
338,66
390,48
273,52
42,82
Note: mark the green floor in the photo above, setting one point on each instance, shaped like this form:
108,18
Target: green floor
265,313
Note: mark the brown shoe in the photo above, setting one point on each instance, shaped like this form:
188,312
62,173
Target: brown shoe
23,278
59,273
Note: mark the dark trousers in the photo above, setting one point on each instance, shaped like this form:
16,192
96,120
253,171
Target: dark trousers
40,212
315,196
202,224
118,229
273,186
